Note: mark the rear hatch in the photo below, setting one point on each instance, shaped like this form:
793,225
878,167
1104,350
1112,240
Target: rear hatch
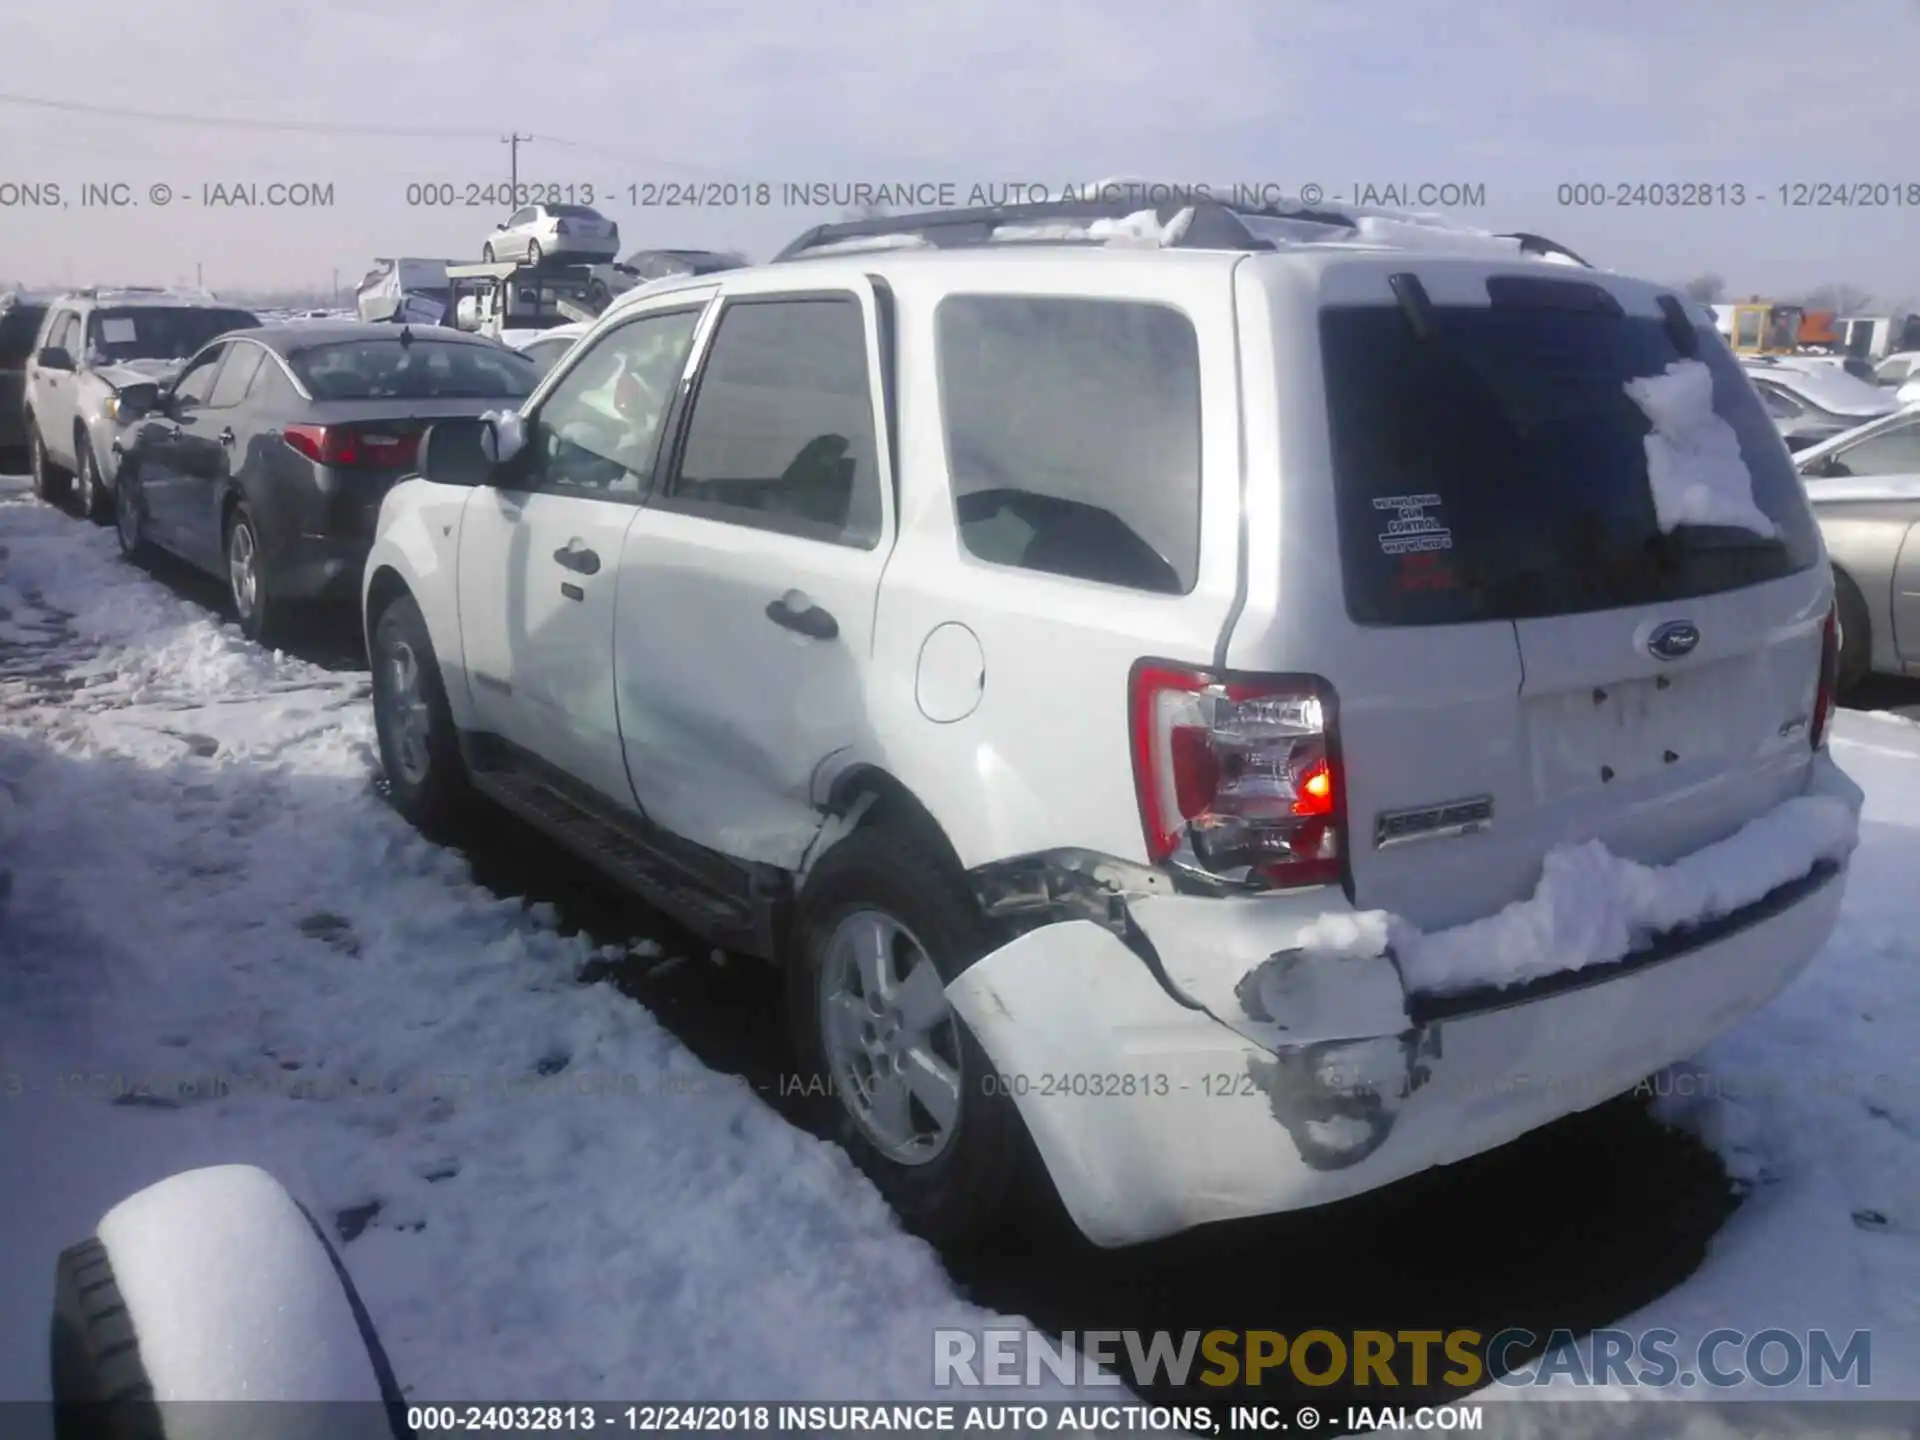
1521,653
369,446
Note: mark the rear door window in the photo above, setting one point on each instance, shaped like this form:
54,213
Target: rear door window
1498,469
1073,436
236,376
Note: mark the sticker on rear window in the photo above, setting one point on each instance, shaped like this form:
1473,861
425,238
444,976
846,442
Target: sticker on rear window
1412,529
115,330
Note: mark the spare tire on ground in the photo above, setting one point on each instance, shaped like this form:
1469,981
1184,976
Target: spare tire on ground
211,1305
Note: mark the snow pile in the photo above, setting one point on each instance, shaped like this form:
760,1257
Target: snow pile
1142,227
1694,464
1592,907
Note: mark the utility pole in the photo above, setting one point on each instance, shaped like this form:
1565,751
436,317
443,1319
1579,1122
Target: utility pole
514,142
199,278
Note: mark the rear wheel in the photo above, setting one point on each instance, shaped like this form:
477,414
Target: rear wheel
533,252
49,480
486,252
247,576
419,748
1856,632
884,925
89,492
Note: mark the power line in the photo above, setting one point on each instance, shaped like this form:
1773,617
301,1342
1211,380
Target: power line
318,127
228,122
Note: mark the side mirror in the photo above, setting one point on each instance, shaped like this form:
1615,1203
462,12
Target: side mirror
141,398
456,452
54,357
505,435
501,226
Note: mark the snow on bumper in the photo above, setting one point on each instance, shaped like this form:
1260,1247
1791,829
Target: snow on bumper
1287,1056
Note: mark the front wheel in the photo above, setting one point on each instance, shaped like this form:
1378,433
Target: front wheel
486,252
49,480
129,515
533,252
884,926
89,491
419,748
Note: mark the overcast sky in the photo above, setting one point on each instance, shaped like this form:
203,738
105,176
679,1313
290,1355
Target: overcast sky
1520,97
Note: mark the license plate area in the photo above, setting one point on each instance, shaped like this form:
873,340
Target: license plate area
1627,730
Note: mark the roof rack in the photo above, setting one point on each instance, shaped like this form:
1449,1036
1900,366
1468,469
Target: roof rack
1186,221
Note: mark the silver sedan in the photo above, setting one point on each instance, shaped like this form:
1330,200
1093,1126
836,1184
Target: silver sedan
1865,489
535,232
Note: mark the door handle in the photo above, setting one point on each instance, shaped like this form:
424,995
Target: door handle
794,611
226,436
576,557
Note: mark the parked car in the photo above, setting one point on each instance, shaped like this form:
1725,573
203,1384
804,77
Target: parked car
406,290
1064,657
1865,489
91,346
264,461
1896,370
643,266
545,347
1810,403
538,232
1909,392
20,318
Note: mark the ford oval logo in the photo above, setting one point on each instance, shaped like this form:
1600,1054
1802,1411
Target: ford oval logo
1674,639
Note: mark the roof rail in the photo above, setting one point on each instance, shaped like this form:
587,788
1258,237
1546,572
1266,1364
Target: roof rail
1208,224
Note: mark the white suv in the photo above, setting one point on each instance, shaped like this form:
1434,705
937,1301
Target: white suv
1236,708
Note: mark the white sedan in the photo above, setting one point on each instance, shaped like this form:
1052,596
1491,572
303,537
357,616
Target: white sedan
536,232
544,347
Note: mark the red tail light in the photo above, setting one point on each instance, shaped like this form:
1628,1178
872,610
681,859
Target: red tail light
351,449
1829,691
1237,777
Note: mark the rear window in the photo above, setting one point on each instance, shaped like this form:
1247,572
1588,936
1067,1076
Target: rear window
1073,436
574,212
423,370
1498,470
18,325
158,332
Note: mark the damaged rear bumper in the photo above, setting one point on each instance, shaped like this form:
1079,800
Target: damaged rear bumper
1152,1115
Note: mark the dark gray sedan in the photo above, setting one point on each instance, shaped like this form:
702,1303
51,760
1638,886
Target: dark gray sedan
265,460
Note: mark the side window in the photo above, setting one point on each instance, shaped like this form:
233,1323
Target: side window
520,217
598,433
235,378
1891,452
1747,328
782,435
196,381
1073,436
70,339
1892,372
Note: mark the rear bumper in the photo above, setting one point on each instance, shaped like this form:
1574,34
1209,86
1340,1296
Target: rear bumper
326,570
1153,1116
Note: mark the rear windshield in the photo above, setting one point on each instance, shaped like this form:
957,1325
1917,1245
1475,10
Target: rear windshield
18,325
1498,469
574,212
422,370
158,332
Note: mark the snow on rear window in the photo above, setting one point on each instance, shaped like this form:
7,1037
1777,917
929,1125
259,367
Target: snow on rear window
1694,462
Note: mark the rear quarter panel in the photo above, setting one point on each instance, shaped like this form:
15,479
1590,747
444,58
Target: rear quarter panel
418,541
1044,759
1864,541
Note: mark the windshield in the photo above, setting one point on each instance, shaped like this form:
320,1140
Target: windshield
1510,439
423,370
158,332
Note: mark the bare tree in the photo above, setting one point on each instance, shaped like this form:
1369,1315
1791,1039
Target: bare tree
1707,288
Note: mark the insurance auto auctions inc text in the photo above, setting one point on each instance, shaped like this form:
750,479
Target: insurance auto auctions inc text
1463,1360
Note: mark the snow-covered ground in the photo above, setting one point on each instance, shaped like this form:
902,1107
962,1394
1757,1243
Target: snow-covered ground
557,1198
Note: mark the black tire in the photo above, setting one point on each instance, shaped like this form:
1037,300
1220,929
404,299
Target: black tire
257,612
598,296
974,1185
436,797
89,490
1856,632
130,516
100,1386
534,256
486,252
50,482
